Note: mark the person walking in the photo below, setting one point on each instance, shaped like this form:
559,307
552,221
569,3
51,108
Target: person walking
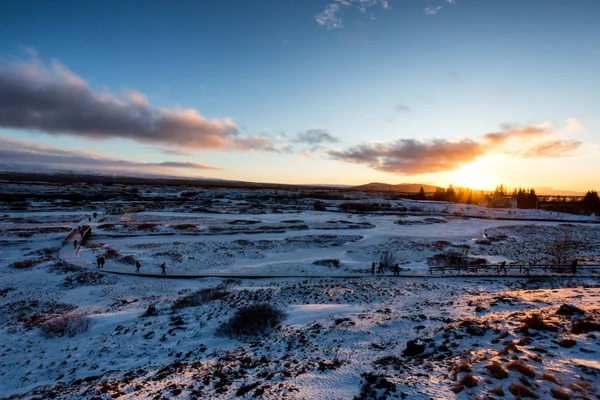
501,267
373,268
98,261
380,270
163,269
137,266
396,270
75,244
574,266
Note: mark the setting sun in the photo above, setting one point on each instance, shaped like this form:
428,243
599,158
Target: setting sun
475,176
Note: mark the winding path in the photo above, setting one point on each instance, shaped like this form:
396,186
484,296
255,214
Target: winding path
268,267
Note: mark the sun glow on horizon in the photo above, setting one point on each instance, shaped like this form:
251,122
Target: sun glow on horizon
475,176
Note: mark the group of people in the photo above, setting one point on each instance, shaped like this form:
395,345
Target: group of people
100,262
381,269
81,229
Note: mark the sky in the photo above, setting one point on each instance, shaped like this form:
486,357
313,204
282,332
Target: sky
471,93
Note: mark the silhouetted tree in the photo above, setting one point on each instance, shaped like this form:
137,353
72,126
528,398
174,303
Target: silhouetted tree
591,201
499,192
421,195
440,194
450,194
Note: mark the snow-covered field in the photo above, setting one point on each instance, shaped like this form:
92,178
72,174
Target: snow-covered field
346,333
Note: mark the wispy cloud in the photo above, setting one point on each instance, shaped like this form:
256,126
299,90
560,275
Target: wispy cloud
315,137
432,10
402,108
573,125
54,100
510,132
554,149
411,156
330,17
22,152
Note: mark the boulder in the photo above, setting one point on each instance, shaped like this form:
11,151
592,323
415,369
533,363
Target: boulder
413,348
568,309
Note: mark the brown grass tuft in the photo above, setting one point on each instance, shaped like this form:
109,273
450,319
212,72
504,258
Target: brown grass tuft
498,391
550,378
497,370
464,367
521,367
519,390
559,394
469,381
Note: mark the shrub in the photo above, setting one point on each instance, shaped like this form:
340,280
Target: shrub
173,255
86,278
184,227
253,320
65,325
200,297
449,258
128,260
147,226
387,259
111,254
151,311
328,263
34,313
26,264
62,268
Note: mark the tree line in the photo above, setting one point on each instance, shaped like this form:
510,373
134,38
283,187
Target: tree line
526,198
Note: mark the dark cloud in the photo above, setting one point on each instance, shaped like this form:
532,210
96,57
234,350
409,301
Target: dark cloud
409,156
555,149
30,153
56,101
315,137
402,108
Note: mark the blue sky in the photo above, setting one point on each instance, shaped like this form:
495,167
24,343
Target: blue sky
406,90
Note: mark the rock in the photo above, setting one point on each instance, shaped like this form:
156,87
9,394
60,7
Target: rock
567,343
568,309
413,348
475,331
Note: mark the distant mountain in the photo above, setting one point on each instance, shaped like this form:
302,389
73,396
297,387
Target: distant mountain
400,188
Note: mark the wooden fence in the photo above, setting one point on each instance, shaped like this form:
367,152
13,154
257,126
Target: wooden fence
69,236
512,269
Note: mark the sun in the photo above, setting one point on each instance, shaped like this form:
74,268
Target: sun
475,176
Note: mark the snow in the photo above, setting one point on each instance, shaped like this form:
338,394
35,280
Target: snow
341,323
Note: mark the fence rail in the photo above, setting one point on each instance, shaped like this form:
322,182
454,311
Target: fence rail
69,236
500,269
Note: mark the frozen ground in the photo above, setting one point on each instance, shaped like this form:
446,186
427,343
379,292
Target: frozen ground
357,337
